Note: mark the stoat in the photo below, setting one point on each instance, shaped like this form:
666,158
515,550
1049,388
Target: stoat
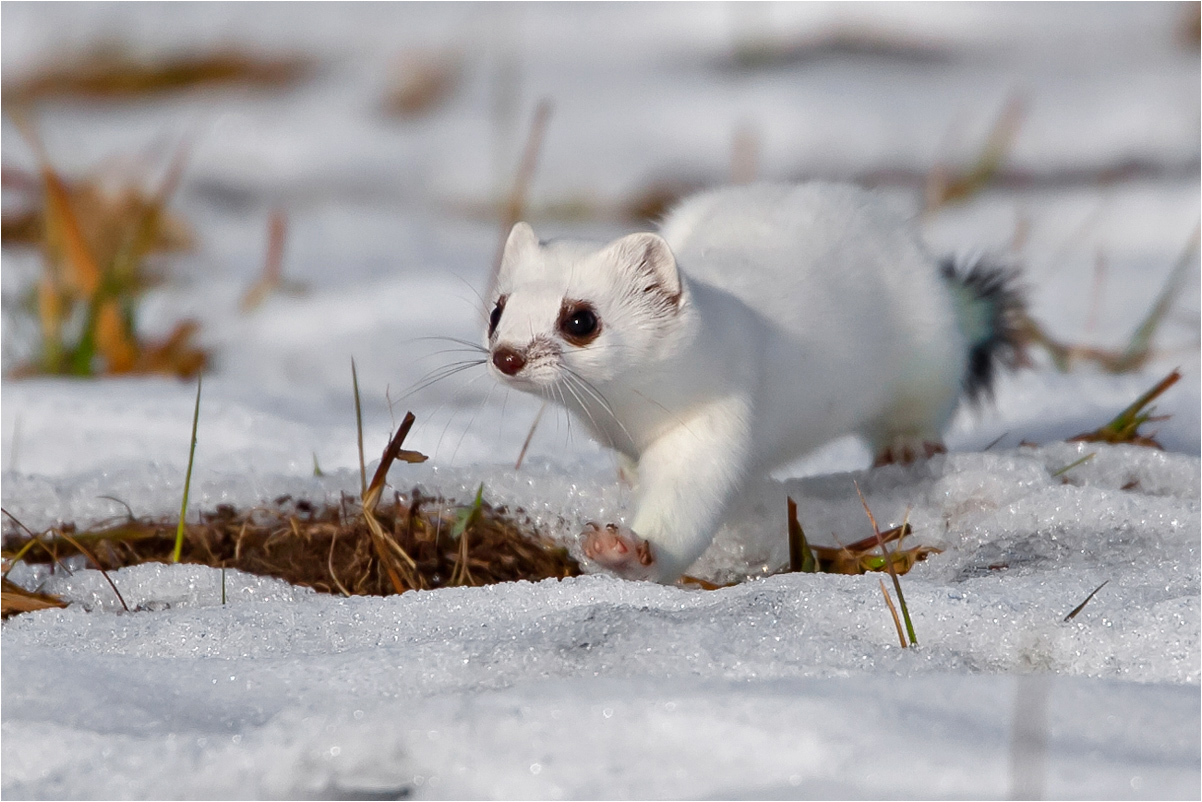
760,323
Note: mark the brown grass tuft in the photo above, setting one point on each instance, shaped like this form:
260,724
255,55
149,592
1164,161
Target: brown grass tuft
95,244
860,557
328,547
1124,427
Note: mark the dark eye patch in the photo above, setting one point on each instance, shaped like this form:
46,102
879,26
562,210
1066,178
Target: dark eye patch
495,317
579,323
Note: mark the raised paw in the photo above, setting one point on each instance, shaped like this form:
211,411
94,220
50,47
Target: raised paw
618,549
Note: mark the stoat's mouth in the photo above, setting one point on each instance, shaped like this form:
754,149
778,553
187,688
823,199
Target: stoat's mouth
535,368
539,376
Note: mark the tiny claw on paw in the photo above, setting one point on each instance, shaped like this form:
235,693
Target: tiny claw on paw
618,549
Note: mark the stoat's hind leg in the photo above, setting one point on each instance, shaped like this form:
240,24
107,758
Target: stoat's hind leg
620,550
905,449
909,430
628,471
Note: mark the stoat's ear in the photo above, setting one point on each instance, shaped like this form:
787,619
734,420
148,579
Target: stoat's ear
520,244
649,260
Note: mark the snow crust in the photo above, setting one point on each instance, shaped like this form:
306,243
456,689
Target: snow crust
783,686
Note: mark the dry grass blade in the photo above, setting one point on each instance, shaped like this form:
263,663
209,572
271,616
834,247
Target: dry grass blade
87,553
401,575
273,265
1081,606
701,584
1124,427
116,72
901,636
745,154
1139,346
422,81
34,540
515,205
944,187
16,599
359,430
21,552
529,436
759,52
393,452
901,599
515,209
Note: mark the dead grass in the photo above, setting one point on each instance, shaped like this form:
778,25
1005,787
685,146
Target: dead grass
96,241
765,51
358,546
423,80
16,599
859,557
946,185
1125,427
1138,350
116,72
328,547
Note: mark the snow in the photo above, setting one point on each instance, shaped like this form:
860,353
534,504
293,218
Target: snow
782,686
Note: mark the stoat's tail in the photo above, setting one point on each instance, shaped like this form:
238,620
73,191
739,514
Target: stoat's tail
992,314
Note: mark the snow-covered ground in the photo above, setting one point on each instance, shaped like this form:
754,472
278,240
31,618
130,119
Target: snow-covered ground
783,686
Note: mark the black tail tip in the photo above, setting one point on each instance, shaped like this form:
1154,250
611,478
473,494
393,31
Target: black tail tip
999,337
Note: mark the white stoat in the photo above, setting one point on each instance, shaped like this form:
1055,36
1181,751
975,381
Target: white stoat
762,322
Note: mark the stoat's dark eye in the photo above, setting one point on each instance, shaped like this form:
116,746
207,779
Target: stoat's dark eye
495,317
579,323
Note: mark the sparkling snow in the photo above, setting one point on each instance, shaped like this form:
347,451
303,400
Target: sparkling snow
783,686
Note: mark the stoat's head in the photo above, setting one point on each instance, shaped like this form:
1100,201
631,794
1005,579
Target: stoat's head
563,307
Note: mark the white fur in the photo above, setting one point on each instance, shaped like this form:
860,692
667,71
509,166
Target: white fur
793,314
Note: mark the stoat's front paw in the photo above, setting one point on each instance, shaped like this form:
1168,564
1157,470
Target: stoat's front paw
620,550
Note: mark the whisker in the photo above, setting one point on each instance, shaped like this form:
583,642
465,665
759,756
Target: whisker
476,292
445,351
675,417
566,417
568,385
456,340
602,400
439,374
428,420
471,422
584,385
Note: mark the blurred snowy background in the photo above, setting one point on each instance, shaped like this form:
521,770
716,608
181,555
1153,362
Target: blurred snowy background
390,156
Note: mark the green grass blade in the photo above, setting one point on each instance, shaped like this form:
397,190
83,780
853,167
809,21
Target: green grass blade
183,508
901,602
1141,339
801,557
1074,464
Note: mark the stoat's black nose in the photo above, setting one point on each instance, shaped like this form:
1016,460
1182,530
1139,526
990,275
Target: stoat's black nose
508,361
